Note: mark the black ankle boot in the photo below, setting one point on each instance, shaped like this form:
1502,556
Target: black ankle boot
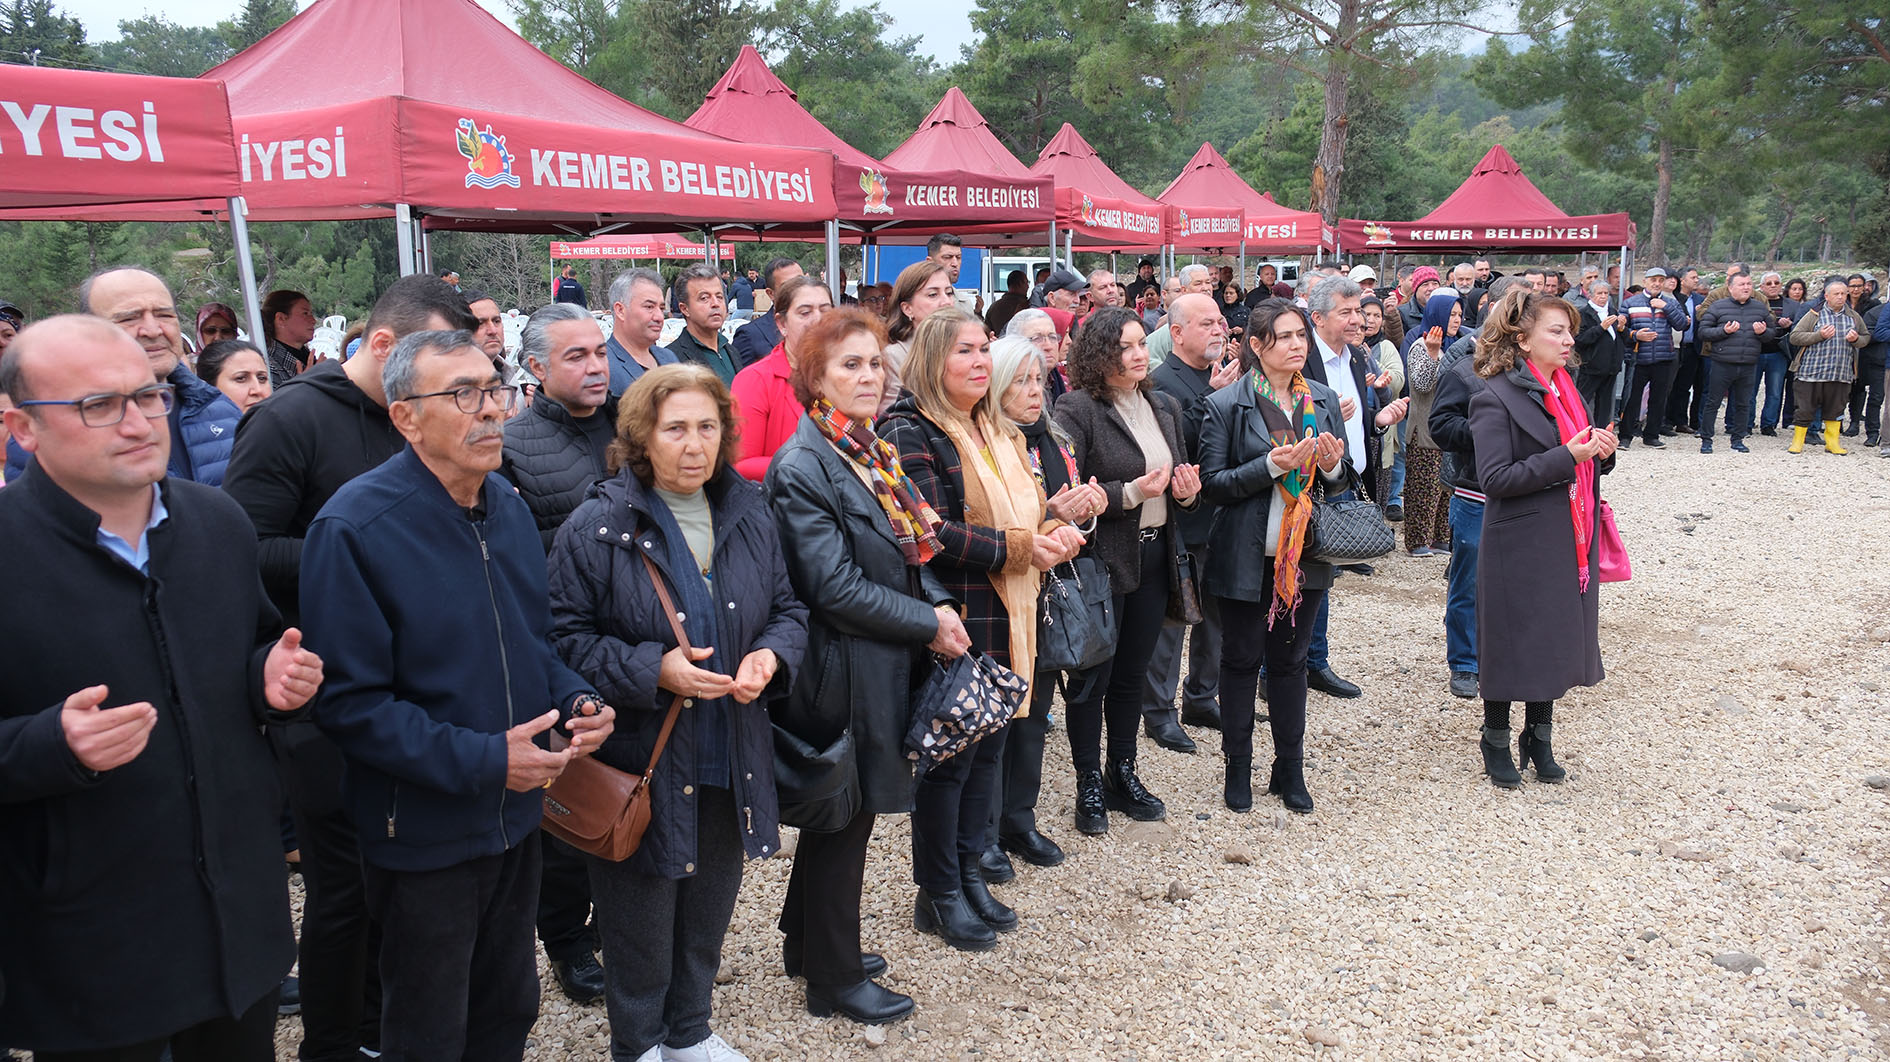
1534,745
1238,790
1092,815
1123,791
985,905
866,1002
1497,762
949,916
1289,781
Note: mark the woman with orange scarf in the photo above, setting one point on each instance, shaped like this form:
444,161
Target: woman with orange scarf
1538,566
1263,440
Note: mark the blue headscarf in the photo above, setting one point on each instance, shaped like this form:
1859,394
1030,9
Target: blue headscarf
1436,315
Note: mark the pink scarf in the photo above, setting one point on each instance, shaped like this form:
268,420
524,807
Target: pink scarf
1565,404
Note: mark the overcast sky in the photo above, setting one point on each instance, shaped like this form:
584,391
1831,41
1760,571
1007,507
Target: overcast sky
943,24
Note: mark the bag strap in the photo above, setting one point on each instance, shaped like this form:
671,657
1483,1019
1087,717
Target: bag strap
682,639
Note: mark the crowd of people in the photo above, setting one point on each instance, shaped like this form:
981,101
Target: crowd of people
369,610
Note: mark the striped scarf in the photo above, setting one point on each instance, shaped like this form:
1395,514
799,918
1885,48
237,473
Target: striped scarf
914,524
1294,490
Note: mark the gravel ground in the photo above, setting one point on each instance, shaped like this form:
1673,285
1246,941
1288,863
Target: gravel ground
1724,809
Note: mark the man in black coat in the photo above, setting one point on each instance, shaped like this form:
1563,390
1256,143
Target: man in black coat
1600,346
142,888
554,452
758,338
1736,326
293,452
1196,370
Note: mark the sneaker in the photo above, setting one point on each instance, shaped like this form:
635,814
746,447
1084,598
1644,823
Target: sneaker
1706,446
1655,442
1677,429
1773,431
1739,447
1463,684
714,1049
1394,513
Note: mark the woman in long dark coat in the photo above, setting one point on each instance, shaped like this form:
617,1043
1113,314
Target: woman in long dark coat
1538,567
856,537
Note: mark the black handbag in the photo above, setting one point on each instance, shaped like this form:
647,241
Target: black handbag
1184,592
962,701
1349,530
1076,617
817,789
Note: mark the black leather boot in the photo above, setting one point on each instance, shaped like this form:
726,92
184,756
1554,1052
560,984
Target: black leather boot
985,905
1238,789
865,1002
996,866
1497,762
1534,745
1289,783
1092,816
1123,791
952,919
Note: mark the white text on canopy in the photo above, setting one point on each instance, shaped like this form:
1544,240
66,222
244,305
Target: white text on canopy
81,132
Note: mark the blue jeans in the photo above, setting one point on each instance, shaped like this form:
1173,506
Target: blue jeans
1772,378
1394,495
1460,595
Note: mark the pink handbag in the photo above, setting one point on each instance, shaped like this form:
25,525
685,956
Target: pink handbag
1615,566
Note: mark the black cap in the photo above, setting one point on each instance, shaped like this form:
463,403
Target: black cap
1149,262
12,313
1061,279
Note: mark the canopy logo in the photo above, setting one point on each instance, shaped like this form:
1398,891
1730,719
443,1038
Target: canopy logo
873,183
1377,233
1089,211
488,164
1184,221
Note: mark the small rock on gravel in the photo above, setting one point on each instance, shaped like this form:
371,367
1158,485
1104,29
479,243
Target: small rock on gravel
1739,962
1238,854
1279,820
1321,1035
1792,852
1877,781
875,1036
1787,806
1678,851
1730,705
1178,891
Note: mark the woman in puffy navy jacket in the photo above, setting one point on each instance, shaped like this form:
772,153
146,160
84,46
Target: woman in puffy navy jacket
663,912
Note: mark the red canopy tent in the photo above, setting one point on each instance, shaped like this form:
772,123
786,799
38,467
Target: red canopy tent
95,146
1267,226
445,113
956,137
1095,205
658,245
1495,209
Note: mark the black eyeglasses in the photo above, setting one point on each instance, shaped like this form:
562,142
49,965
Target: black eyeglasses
473,399
103,411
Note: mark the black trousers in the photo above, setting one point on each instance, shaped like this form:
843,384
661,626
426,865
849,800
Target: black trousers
821,915
663,937
249,1038
1247,645
1691,372
1598,393
951,811
1732,383
459,968
1654,379
564,902
1867,395
1116,695
341,997
1201,692
1020,772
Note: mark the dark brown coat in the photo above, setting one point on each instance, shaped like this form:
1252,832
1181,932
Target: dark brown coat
1537,634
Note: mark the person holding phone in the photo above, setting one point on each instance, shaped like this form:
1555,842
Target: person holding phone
1539,459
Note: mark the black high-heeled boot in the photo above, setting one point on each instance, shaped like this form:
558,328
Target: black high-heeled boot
1289,781
1237,791
985,905
950,916
1092,816
1534,745
1497,762
1123,791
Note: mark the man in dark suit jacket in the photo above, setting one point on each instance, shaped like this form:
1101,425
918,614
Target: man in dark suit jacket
758,338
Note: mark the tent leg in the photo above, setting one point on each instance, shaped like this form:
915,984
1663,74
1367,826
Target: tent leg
1243,261
1053,245
403,239
426,249
1069,250
1112,262
245,265
833,260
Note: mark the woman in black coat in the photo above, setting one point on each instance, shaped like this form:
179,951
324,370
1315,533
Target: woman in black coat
1261,439
1126,435
674,500
856,538
1538,566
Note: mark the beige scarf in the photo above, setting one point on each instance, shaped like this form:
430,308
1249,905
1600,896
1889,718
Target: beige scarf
1011,501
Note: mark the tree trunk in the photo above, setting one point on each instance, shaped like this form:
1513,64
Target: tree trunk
1663,194
1329,165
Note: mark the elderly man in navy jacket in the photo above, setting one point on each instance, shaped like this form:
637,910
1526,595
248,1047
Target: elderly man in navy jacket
424,580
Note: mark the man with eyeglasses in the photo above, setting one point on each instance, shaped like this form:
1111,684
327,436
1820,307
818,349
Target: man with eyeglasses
141,802
293,452
202,420
1200,366
425,586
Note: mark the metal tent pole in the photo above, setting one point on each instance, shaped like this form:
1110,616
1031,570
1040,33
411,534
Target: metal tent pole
245,265
1053,244
403,239
1243,261
833,259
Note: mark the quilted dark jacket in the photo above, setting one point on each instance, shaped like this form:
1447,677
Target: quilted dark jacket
553,460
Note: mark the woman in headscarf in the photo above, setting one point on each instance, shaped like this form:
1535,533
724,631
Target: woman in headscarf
1426,506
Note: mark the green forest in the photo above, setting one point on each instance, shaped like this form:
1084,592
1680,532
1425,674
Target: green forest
1729,129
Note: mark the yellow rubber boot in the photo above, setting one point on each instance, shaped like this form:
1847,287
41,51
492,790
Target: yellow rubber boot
1798,441
1831,439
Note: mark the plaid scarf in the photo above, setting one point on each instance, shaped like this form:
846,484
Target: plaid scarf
1297,424
914,524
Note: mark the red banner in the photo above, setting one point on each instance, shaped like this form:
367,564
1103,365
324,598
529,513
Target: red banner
1597,232
1206,228
663,245
1098,219
881,195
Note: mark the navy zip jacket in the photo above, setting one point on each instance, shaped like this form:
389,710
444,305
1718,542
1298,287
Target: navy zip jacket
433,628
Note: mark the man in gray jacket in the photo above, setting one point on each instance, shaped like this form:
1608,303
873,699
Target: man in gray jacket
1736,326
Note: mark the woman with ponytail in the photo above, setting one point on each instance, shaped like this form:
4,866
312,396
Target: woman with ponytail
1538,566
